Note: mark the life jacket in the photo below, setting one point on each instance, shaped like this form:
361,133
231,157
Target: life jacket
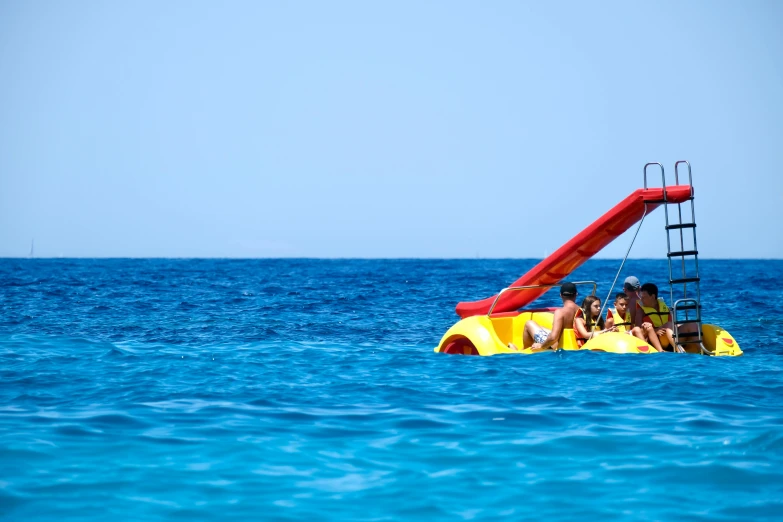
623,326
658,317
582,340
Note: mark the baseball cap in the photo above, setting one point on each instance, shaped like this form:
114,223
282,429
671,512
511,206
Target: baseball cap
633,282
567,288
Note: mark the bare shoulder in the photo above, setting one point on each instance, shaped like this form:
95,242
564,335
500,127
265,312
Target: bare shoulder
563,314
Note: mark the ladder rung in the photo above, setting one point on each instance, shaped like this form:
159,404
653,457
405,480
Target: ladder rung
687,321
684,253
689,341
685,280
688,307
689,334
681,225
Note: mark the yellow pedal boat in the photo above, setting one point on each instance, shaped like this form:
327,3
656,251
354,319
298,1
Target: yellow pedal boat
492,334
495,325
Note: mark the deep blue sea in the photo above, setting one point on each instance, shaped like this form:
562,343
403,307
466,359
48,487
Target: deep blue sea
309,390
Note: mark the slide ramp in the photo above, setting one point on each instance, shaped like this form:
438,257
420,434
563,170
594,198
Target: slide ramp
579,249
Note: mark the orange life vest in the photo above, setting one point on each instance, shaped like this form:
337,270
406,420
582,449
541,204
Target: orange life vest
594,328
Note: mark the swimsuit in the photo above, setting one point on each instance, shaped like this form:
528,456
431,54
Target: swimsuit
541,335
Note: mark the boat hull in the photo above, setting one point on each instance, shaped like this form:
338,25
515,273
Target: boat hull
502,333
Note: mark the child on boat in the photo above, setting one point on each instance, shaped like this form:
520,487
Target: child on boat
588,321
620,317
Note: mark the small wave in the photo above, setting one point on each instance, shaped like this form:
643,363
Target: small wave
116,351
351,482
115,420
11,500
76,430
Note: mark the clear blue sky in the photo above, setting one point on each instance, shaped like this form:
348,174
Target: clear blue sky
381,129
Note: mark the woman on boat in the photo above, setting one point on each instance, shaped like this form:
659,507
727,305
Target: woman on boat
588,321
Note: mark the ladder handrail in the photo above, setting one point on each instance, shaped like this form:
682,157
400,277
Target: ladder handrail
679,214
678,302
677,177
696,300
663,177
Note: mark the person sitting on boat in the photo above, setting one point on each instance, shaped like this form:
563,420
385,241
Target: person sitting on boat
654,318
538,337
619,316
588,322
631,289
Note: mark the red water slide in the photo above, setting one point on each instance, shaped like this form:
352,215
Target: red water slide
579,249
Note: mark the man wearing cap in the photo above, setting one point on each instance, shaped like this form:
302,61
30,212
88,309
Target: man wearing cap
631,288
538,337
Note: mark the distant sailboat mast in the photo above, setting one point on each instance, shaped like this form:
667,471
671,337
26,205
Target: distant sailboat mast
32,248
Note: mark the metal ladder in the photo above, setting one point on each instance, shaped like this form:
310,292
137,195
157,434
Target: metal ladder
689,272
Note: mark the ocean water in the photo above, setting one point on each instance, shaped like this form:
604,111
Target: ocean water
308,389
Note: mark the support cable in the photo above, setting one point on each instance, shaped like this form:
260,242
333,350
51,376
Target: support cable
611,288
